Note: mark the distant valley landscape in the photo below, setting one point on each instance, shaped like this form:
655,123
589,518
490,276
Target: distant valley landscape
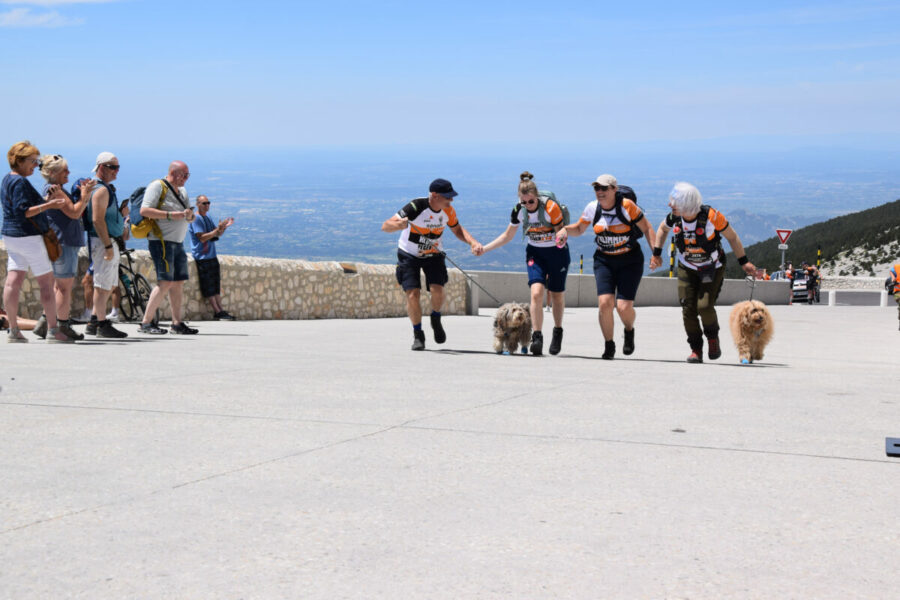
329,204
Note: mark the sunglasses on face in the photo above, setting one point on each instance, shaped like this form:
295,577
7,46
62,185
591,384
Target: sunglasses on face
203,203
601,188
112,167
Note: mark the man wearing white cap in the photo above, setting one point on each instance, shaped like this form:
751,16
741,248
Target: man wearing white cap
106,223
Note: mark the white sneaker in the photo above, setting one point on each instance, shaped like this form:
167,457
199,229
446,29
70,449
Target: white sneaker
113,315
85,317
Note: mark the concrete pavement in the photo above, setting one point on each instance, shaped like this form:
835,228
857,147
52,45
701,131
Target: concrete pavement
324,459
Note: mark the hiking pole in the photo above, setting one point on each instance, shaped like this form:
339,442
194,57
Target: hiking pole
470,278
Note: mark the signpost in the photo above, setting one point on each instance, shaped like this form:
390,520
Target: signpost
783,235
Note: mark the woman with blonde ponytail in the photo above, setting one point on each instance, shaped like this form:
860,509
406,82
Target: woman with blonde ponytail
547,263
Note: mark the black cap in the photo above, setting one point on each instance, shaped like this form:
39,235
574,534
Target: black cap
442,187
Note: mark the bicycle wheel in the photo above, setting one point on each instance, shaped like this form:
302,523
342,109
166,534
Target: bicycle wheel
142,293
127,306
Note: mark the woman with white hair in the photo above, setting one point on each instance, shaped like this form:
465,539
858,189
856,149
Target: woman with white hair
698,231
66,222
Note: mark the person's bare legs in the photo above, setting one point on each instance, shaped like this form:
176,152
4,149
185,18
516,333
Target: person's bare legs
537,306
157,295
176,292
64,297
606,305
11,289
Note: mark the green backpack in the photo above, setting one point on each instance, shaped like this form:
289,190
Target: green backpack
543,196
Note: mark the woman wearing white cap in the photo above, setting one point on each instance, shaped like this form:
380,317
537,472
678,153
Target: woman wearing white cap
618,224
698,233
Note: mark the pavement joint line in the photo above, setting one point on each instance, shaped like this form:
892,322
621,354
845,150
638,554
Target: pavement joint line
190,414
194,481
643,443
403,425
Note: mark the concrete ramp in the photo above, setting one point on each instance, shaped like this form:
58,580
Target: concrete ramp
324,459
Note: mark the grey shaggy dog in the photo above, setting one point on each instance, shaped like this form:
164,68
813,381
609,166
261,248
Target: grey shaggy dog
512,327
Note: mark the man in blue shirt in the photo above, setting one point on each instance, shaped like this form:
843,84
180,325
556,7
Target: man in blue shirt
203,247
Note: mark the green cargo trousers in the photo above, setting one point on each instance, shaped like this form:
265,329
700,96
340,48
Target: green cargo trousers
698,299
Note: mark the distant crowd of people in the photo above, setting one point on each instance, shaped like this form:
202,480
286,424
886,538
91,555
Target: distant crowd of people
618,224
44,231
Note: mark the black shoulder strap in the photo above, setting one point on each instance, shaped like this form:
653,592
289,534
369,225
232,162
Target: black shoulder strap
620,212
703,216
175,192
597,213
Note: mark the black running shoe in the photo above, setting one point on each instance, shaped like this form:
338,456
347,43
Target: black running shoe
439,336
105,329
91,328
556,341
537,343
223,316
418,340
183,329
152,329
628,344
714,351
609,352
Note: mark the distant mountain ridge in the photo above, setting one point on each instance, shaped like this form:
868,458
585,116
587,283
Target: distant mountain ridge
857,244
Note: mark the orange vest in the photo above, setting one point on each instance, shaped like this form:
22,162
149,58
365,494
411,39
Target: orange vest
895,273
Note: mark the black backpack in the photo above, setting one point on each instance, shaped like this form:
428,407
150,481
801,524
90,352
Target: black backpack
622,192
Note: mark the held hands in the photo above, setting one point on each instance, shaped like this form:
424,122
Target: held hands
562,237
477,249
655,262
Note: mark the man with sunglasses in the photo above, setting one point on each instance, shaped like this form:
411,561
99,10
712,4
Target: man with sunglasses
166,202
106,223
204,236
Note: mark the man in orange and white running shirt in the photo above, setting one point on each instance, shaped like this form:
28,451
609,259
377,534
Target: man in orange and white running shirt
894,283
422,223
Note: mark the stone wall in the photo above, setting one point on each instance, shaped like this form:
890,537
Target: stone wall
268,288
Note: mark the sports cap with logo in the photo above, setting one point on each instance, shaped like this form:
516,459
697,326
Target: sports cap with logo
606,180
442,187
102,159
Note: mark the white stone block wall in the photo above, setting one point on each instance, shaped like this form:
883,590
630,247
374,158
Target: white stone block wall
269,288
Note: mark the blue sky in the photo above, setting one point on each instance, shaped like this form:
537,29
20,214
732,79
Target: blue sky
161,73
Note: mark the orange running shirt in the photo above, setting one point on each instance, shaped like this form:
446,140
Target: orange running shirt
422,237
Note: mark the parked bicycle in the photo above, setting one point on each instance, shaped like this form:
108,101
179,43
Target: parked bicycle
135,290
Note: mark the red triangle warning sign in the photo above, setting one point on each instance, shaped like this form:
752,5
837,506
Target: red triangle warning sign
784,234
